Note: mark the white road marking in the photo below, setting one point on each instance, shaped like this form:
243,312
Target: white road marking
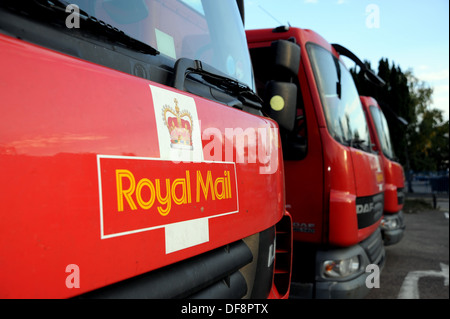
410,286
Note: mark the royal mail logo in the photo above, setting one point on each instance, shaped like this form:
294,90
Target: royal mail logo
180,126
143,194
139,194
179,134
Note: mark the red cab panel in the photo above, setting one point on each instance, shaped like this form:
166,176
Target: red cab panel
92,175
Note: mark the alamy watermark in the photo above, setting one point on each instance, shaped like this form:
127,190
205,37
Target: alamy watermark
373,279
250,146
372,16
73,19
73,279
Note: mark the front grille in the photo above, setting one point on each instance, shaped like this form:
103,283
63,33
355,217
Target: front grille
214,274
369,209
374,247
400,195
283,255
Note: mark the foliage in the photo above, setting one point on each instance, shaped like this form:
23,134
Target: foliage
413,206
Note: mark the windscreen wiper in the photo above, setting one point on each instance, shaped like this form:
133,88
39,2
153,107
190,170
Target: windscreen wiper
45,9
244,94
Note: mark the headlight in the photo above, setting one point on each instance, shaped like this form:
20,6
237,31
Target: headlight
389,223
341,268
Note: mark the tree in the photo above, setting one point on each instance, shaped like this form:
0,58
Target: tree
423,145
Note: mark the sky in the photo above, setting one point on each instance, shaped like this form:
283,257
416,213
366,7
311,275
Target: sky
412,34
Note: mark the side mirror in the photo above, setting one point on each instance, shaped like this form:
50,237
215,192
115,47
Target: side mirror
287,56
280,100
280,103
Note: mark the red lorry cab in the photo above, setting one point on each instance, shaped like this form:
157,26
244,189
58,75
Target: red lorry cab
392,225
334,181
134,158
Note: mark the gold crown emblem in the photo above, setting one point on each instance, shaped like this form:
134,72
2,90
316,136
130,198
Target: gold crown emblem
179,125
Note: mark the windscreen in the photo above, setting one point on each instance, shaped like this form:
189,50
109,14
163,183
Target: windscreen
382,128
206,30
340,99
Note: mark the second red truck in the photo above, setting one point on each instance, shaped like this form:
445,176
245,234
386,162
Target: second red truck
334,180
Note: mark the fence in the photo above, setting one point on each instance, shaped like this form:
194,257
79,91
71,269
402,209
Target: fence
429,182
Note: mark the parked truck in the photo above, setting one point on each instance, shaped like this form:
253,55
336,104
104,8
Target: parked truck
134,158
334,180
392,224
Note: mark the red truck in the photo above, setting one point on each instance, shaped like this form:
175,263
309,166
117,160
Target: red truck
334,180
392,224
134,158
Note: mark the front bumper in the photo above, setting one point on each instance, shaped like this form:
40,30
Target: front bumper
369,251
392,228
